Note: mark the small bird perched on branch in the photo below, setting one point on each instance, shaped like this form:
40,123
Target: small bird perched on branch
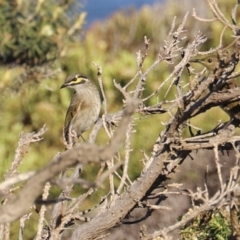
213,63
84,107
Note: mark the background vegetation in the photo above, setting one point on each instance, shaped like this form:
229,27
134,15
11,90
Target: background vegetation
43,42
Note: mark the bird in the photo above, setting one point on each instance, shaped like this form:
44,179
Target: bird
84,108
213,63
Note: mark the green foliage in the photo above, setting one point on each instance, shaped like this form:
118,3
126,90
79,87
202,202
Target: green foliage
209,225
34,32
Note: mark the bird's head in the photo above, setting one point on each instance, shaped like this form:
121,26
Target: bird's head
76,80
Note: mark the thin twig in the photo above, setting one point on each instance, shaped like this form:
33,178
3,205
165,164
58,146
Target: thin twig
100,81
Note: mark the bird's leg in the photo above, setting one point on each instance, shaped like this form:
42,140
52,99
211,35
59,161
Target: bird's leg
73,137
70,139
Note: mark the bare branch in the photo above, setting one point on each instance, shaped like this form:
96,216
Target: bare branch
85,153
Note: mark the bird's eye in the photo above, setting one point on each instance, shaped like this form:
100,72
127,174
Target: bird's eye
209,60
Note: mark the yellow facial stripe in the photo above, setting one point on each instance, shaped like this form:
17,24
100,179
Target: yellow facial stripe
78,79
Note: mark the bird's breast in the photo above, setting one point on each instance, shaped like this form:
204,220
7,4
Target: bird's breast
86,115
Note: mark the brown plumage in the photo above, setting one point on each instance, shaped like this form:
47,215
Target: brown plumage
84,107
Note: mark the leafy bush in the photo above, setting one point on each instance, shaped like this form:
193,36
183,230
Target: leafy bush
35,32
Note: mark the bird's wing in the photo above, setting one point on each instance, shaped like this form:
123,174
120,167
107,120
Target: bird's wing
70,115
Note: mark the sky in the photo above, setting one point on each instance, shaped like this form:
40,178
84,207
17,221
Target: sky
99,9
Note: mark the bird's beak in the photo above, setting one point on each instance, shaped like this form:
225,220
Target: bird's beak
64,85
